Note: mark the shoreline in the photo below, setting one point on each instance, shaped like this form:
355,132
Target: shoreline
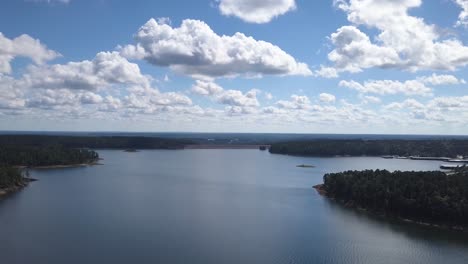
5,192
77,165
321,191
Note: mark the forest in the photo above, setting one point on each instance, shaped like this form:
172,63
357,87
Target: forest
11,177
427,148
432,197
12,158
31,156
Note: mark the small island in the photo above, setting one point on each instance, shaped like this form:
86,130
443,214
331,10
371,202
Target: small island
131,150
432,198
305,166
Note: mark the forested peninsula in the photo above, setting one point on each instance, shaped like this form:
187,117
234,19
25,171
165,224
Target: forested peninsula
431,197
20,152
16,159
327,147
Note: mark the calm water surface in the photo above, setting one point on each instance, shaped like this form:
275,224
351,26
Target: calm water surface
208,206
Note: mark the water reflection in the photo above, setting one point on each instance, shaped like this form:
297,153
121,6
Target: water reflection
208,206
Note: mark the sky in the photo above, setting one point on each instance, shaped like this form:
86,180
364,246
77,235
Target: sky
278,66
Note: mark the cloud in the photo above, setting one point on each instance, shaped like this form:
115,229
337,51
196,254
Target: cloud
411,104
417,86
295,102
11,96
23,46
234,98
206,88
111,104
449,103
106,69
237,98
354,51
61,98
327,98
90,98
437,111
326,72
404,41
463,17
443,79
108,83
148,100
369,99
256,11
385,87
194,49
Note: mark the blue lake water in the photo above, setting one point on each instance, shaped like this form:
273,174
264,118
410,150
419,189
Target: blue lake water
208,206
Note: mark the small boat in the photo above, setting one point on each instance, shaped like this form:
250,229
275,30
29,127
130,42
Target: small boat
388,157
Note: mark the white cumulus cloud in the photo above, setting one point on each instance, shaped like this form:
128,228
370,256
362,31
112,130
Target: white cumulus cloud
256,11
327,98
23,46
295,102
105,69
403,41
463,17
234,98
441,79
194,49
385,87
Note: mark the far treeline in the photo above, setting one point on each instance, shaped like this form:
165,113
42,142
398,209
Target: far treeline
430,197
33,156
45,150
427,148
94,142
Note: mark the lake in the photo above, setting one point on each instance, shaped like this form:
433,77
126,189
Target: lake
208,206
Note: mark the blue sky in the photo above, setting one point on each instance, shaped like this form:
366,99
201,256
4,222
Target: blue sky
343,66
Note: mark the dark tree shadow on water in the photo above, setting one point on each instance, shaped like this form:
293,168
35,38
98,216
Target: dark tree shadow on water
413,231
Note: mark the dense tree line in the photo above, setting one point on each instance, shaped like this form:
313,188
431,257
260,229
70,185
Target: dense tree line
105,142
432,197
44,155
11,177
433,148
